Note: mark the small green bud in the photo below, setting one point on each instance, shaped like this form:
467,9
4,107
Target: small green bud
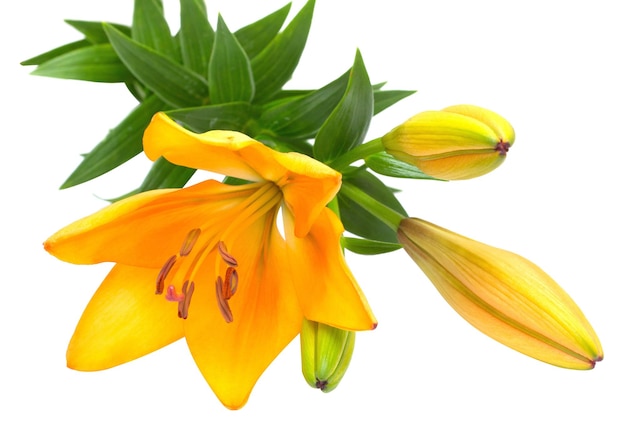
456,143
326,352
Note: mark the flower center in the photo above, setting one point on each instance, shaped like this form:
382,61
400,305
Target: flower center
234,214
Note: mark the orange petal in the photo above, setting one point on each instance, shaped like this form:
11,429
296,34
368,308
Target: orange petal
266,316
123,321
307,184
326,289
307,188
145,229
215,151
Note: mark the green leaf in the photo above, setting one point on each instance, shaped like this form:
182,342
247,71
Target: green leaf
121,144
230,74
173,83
302,117
385,99
284,144
368,247
151,29
231,116
164,174
347,125
196,36
356,219
274,66
95,63
94,32
256,36
56,52
385,164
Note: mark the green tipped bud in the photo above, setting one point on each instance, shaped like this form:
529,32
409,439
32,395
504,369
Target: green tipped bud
326,352
456,143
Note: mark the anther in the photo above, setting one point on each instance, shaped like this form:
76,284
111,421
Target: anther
190,241
165,269
222,303
231,280
183,305
229,259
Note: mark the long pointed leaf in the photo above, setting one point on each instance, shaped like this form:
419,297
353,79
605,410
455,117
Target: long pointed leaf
95,63
121,144
385,164
274,66
385,99
346,127
173,83
230,75
196,36
302,117
368,247
94,32
256,36
151,29
356,219
232,116
56,52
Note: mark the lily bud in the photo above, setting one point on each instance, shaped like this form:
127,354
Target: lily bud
456,143
503,295
326,352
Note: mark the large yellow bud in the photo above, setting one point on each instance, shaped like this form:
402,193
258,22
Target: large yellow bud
456,143
503,295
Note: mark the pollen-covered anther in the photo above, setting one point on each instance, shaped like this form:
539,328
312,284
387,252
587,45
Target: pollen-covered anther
190,241
183,305
222,301
165,269
226,256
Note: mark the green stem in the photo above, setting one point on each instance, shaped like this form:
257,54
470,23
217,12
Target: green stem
385,214
358,153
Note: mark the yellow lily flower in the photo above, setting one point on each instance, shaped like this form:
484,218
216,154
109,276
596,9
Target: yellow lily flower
220,244
503,295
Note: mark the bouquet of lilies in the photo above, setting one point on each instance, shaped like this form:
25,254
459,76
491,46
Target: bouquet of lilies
241,265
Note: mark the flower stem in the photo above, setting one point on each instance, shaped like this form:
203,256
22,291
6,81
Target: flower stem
358,153
388,216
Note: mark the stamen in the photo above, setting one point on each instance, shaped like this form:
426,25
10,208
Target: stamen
229,259
165,269
231,281
183,305
222,303
189,242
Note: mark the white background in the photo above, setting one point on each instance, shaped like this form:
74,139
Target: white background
555,69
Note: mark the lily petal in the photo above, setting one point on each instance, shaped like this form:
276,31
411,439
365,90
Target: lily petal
155,222
307,184
164,137
266,317
336,300
123,321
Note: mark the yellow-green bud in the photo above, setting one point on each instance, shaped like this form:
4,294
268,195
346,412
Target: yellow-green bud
503,295
456,143
326,352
